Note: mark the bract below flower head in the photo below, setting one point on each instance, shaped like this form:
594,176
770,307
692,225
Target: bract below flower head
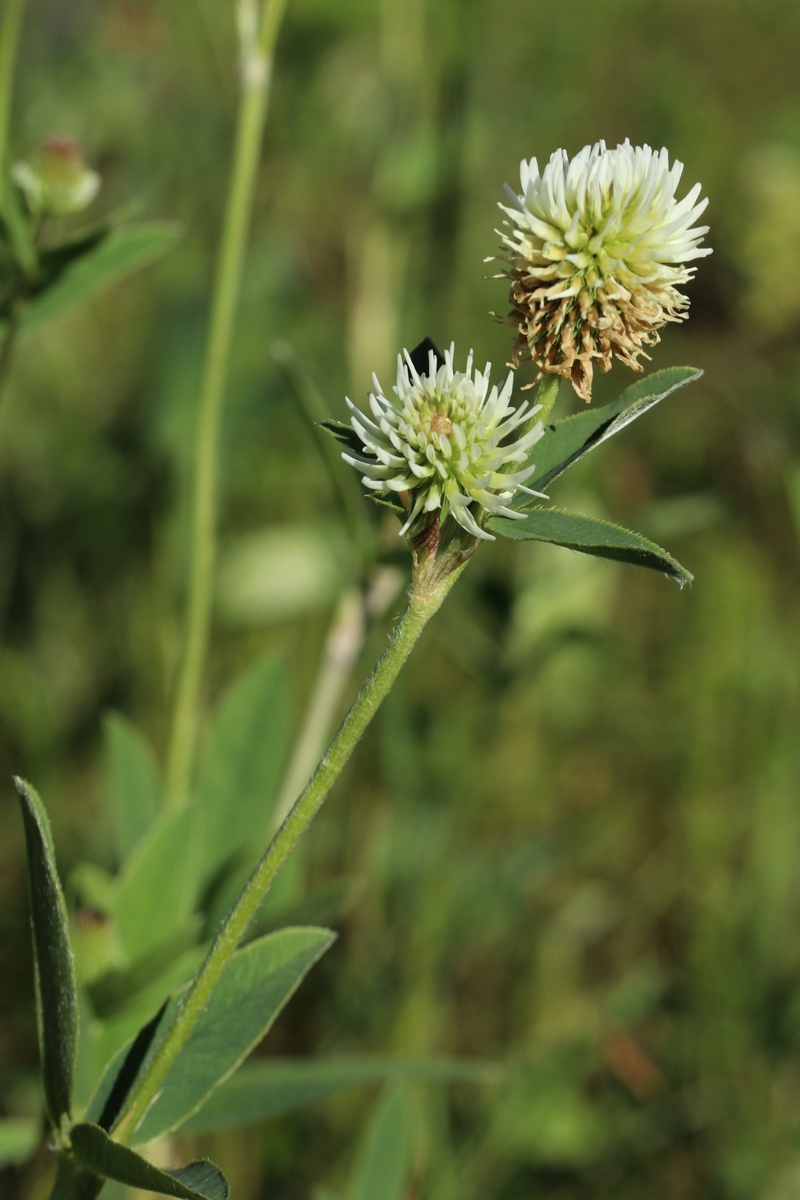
596,248
446,441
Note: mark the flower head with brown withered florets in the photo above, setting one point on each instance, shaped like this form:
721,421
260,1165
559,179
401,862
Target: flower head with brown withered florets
596,248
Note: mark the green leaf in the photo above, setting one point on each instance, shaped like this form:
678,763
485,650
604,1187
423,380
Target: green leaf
95,1151
120,1074
116,989
120,254
38,276
156,887
54,261
56,996
567,441
130,1033
241,767
590,536
386,1157
133,781
253,989
19,1137
260,1091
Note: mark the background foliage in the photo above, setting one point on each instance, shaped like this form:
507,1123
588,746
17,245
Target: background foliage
572,832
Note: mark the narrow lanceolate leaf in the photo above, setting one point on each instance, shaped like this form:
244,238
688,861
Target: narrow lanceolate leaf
56,997
241,768
590,536
253,989
386,1158
132,776
120,254
95,1151
567,441
260,1091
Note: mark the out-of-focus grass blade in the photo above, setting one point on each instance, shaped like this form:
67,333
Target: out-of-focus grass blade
260,1091
386,1156
10,25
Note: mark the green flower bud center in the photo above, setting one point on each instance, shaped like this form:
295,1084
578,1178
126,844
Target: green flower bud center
445,426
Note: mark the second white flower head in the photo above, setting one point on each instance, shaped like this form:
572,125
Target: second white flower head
446,441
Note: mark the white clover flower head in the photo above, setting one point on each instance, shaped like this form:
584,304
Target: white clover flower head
597,248
446,442
56,181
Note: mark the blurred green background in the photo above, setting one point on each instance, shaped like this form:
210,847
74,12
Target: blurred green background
575,825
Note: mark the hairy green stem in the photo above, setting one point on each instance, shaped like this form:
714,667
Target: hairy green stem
256,72
427,594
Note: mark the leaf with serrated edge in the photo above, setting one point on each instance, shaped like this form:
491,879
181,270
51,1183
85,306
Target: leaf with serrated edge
254,987
589,536
566,441
95,1151
54,966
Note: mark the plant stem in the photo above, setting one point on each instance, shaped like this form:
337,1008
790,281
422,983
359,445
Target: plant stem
256,72
425,597
6,353
10,27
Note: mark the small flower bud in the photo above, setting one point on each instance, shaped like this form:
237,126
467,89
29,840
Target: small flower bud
56,181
